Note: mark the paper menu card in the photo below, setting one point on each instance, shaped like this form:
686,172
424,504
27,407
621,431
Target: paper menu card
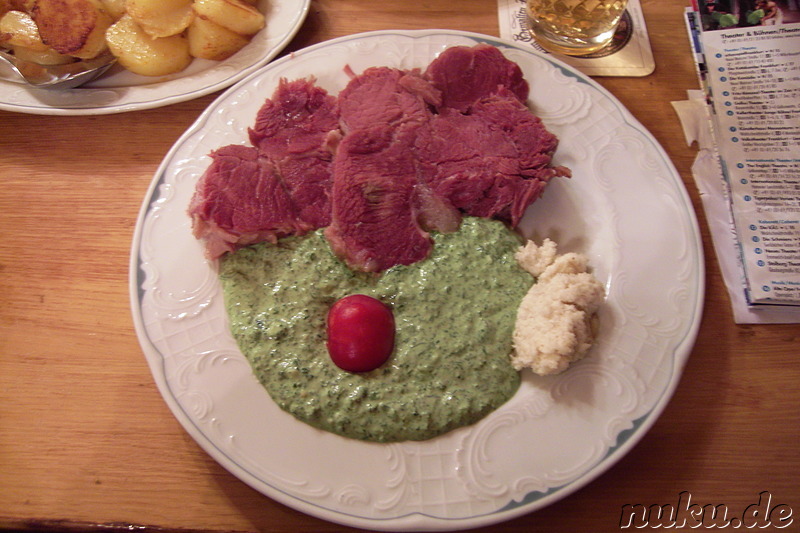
751,75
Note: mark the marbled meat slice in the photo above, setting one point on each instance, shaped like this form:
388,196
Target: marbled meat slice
376,207
493,162
466,74
394,97
308,181
375,223
535,144
297,119
383,95
297,129
397,154
241,200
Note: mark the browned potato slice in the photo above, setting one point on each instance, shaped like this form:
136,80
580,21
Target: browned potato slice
145,55
161,18
73,27
209,40
5,7
46,57
15,5
115,8
236,15
19,29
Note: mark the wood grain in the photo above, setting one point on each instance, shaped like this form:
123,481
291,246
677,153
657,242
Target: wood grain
87,442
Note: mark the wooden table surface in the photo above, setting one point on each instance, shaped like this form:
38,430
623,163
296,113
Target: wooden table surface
87,440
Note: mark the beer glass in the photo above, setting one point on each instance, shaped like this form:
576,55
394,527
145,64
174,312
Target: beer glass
574,27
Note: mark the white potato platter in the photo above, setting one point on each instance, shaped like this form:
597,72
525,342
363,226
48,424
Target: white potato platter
625,208
121,91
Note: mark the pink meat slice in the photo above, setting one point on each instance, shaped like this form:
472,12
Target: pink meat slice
297,119
374,223
493,162
241,200
397,154
383,95
297,129
376,211
533,142
466,74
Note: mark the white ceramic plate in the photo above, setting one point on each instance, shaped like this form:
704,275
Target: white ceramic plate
120,91
625,207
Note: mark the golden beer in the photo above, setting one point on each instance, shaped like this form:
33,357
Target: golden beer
574,27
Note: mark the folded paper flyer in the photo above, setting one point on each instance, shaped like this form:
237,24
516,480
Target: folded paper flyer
748,60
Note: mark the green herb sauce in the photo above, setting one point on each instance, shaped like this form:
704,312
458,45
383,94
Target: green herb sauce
454,314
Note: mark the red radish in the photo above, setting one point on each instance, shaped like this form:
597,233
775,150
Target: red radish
360,333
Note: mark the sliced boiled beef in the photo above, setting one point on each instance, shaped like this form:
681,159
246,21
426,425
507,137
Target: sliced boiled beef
297,119
308,181
493,162
534,144
374,221
375,211
297,129
241,200
396,154
383,95
466,74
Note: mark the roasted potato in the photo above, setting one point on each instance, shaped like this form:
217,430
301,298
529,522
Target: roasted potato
115,8
15,5
148,37
161,18
145,55
209,40
46,57
236,15
73,27
19,29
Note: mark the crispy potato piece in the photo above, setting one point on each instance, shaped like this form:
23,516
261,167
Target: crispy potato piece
115,8
46,57
73,27
19,29
142,54
236,15
161,18
15,5
209,40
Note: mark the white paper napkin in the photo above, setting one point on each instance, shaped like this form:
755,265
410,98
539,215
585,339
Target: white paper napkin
693,114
